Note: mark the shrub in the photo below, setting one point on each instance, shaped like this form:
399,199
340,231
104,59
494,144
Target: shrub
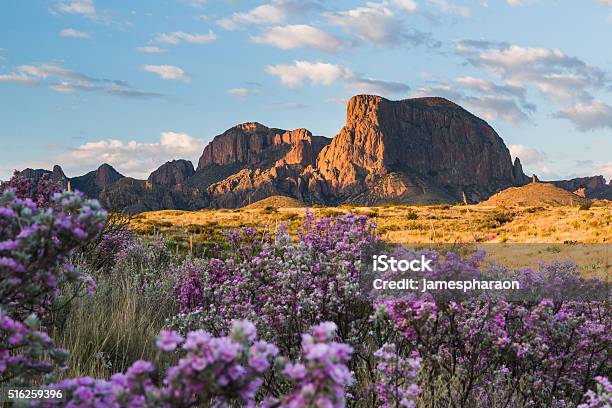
35,244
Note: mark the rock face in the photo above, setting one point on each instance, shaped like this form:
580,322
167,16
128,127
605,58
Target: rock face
255,144
432,138
591,187
250,162
92,183
173,174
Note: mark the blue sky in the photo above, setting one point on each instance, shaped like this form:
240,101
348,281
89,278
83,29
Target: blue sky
136,83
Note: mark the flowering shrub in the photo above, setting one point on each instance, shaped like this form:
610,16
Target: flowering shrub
221,371
283,286
492,353
602,397
34,247
396,385
40,192
35,243
321,378
23,350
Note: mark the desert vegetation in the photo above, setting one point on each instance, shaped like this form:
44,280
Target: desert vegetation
278,316
403,224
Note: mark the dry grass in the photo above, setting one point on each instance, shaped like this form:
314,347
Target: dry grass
406,224
109,330
551,232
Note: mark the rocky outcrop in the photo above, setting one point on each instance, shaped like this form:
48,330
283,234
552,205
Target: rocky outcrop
431,138
172,174
253,144
250,162
92,183
56,175
518,174
594,187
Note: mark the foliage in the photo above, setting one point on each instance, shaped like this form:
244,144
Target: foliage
35,243
489,352
471,350
283,286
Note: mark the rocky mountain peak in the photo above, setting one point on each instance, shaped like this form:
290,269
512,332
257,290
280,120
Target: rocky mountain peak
253,144
172,174
106,175
57,174
431,137
252,127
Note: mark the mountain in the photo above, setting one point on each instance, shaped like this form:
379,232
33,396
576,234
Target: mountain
591,187
250,162
428,144
56,175
414,151
92,183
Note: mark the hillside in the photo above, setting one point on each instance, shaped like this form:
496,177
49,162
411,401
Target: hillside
277,202
535,194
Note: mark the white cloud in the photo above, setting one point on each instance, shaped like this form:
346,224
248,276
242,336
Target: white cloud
484,86
317,73
167,72
242,92
17,78
563,79
133,158
494,107
84,7
149,49
407,5
605,169
63,87
178,37
448,8
62,80
487,99
528,155
264,14
364,85
70,32
374,22
298,36
377,23
588,116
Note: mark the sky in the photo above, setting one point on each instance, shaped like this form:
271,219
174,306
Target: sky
137,83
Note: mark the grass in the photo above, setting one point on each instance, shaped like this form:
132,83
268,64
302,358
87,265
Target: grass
109,330
475,225
405,224
117,325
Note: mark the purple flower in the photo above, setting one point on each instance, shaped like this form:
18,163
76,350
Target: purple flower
168,340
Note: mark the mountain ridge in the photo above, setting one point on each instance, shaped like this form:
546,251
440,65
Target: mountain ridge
414,151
